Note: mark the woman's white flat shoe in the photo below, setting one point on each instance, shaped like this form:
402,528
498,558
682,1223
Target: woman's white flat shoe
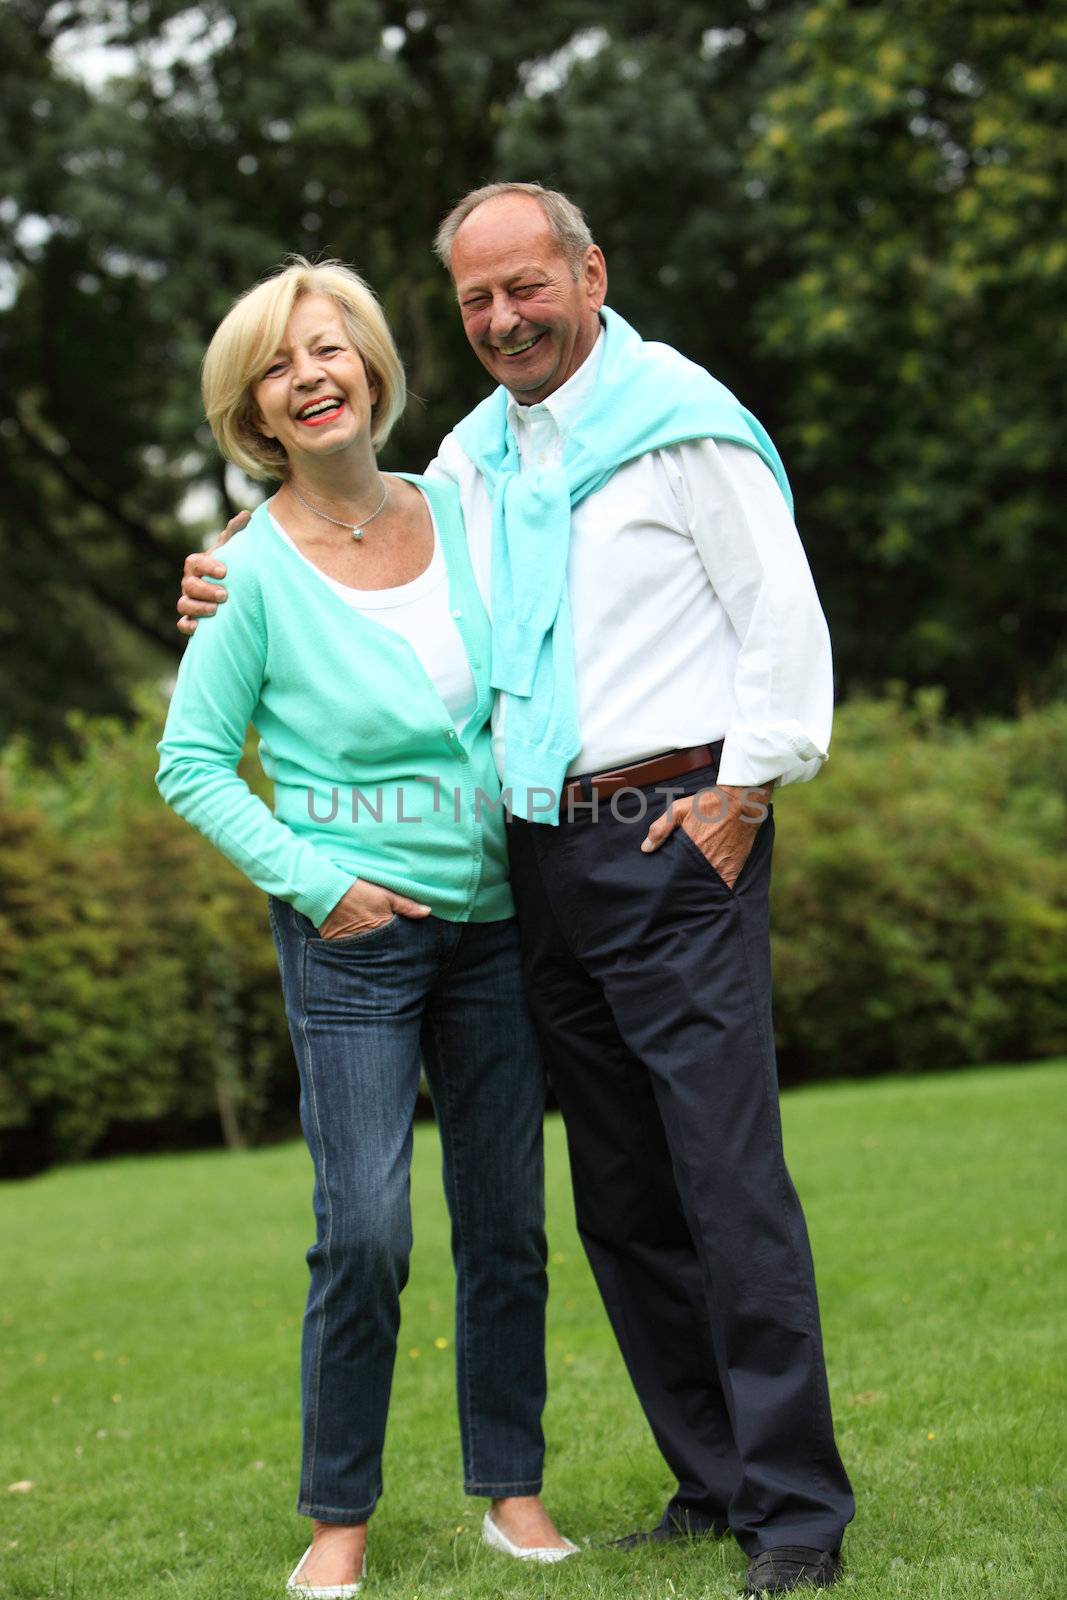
326,1591
497,1539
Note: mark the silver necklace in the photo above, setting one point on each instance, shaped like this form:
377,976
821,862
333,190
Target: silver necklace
354,528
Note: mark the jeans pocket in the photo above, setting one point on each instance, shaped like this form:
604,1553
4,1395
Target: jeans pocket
351,939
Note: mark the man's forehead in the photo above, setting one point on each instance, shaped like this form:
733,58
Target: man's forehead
502,236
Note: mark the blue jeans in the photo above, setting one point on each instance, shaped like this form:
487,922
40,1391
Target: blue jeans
364,1014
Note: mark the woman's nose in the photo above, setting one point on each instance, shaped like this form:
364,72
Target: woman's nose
306,369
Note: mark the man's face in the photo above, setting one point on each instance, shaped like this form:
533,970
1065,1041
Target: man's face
529,321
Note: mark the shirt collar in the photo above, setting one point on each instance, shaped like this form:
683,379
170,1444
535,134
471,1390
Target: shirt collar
563,403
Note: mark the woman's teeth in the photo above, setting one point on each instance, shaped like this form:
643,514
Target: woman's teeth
316,413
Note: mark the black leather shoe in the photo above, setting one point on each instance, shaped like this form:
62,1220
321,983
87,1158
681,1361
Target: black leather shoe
669,1527
787,1568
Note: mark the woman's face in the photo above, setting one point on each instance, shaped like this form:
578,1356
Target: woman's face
313,396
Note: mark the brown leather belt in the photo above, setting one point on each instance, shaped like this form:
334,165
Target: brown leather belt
659,770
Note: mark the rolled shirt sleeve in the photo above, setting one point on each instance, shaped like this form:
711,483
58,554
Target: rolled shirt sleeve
751,550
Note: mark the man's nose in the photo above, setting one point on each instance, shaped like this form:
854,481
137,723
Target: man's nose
505,316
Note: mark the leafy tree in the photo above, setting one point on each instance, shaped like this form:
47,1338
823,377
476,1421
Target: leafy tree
849,212
136,213
915,172
80,510
854,215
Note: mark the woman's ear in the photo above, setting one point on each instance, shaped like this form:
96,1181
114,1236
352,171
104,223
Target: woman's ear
255,421
374,386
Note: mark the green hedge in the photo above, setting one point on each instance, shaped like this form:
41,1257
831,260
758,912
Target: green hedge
920,898
138,989
920,913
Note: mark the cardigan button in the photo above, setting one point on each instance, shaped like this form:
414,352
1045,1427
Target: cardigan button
457,615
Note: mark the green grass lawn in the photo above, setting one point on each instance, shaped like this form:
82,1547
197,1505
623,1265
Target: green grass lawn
149,1333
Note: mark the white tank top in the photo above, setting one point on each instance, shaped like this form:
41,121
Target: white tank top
418,611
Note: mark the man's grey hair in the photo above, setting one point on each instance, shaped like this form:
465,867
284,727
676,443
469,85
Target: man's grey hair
567,225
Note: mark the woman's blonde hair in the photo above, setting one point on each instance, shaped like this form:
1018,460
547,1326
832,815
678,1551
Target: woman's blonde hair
250,333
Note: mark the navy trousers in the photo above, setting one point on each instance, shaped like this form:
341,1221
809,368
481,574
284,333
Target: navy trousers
650,986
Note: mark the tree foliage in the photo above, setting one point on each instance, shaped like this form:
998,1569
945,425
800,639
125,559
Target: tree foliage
915,161
854,214
851,213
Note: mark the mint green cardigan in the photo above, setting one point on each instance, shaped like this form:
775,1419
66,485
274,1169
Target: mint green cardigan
371,778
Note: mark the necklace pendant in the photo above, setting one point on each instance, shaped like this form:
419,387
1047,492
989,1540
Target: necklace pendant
354,528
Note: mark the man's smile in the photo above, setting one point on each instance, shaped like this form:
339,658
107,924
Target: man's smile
520,349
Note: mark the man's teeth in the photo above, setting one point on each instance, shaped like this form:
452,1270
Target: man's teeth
517,349
319,407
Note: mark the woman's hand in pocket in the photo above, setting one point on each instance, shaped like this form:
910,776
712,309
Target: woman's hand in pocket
365,906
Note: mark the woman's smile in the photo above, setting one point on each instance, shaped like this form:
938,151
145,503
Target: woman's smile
317,412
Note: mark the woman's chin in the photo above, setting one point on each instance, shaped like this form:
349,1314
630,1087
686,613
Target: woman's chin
334,442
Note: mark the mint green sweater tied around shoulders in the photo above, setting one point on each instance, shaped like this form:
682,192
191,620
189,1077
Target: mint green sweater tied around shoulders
371,777
647,397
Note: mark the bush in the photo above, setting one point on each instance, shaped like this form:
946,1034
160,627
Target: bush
137,976
920,894
919,918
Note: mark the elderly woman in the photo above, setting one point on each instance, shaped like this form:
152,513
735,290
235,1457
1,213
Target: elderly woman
354,640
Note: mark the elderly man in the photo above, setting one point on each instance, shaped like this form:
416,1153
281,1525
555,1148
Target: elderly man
662,664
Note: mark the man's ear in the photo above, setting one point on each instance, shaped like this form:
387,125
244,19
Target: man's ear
595,276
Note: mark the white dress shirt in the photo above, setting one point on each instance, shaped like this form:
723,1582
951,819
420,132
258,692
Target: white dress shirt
695,615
